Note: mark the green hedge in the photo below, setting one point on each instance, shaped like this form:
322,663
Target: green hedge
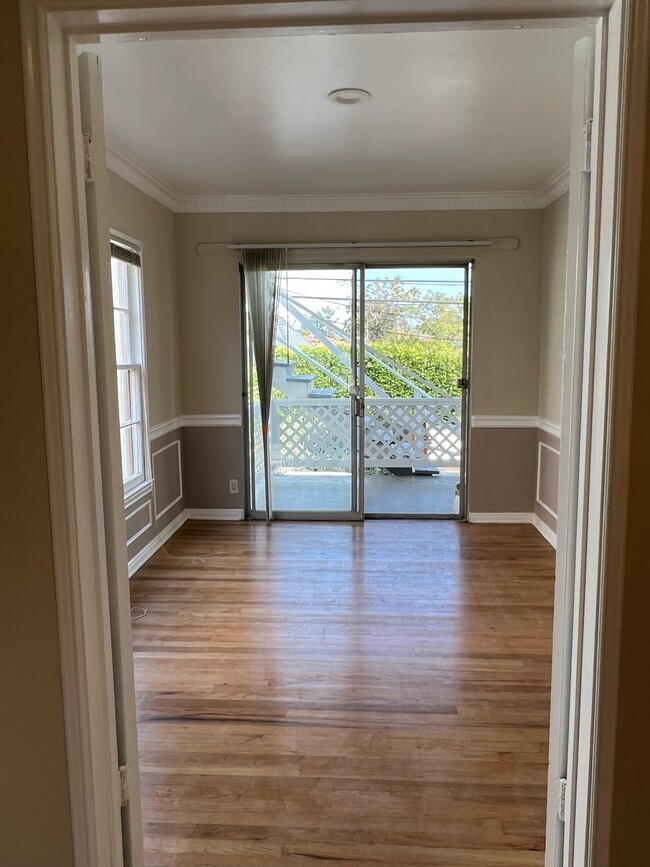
436,361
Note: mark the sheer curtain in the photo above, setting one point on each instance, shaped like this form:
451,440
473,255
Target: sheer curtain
263,270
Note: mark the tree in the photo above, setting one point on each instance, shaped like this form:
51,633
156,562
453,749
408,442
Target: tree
391,309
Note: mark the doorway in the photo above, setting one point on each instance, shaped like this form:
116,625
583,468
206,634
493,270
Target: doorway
53,201
370,394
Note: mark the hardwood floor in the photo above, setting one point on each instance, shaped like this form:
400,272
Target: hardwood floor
361,695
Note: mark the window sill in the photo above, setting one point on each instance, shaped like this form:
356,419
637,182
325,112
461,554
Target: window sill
134,494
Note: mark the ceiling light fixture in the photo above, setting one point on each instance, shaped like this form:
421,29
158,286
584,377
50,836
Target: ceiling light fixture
348,96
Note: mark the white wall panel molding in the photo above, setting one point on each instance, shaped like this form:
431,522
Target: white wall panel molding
173,502
215,514
146,505
165,427
174,424
549,427
504,421
500,517
545,531
516,421
538,499
221,420
149,550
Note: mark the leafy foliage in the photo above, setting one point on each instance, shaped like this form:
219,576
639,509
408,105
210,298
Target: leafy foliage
436,361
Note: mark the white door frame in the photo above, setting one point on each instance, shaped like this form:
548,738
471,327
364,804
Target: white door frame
50,30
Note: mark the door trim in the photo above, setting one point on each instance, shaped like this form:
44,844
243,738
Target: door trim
68,371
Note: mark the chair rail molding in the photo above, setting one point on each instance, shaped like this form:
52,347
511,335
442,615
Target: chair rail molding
174,424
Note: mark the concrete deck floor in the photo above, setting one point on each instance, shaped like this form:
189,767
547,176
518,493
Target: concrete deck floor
326,491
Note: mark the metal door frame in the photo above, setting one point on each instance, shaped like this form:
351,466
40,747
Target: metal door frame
357,401
468,266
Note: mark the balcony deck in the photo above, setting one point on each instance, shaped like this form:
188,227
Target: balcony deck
303,490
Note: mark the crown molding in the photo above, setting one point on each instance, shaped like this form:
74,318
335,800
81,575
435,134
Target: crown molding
143,179
557,185
488,201
152,185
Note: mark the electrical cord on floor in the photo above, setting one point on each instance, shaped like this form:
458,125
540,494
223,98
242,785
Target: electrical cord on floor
195,561
143,611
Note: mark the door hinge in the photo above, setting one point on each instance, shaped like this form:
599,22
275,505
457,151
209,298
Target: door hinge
463,383
587,132
561,799
88,160
124,785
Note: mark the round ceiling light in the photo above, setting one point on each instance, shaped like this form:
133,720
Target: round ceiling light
348,95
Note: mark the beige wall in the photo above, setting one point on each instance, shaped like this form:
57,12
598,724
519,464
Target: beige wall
552,299
35,815
506,308
139,216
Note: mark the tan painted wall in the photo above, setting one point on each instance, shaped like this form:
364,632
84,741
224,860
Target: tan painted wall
506,310
139,216
35,815
552,298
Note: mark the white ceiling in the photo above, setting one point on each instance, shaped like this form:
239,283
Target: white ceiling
453,112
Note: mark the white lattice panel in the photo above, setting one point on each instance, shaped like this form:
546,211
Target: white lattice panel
412,433
313,433
316,433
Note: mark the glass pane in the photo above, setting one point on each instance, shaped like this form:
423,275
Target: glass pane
128,395
123,343
120,281
311,413
132,457
414,321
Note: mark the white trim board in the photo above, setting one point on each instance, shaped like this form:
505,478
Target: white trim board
516,421
156,543
515,518
500,517
542,445
504,421
154,186
219,420
549,427
215,514
544,530
170,505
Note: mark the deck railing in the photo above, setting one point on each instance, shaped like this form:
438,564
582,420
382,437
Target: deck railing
315,433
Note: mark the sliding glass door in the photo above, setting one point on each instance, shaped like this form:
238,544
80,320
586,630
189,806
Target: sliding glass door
368,413
314,428
416,373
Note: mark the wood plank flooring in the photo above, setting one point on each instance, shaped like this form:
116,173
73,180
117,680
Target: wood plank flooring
343,694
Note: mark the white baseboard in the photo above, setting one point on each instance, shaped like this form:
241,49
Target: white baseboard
500,517
149,550
545,531
215,514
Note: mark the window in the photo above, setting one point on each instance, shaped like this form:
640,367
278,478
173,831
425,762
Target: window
128,319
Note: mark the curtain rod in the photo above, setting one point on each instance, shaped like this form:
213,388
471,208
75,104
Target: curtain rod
499,243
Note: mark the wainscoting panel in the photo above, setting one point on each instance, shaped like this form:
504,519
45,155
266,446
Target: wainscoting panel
168,476
502,470
546,479
212,456
148,516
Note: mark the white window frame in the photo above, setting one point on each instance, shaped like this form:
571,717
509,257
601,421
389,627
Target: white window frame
138,484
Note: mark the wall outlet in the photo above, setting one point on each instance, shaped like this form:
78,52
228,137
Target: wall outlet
233,486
